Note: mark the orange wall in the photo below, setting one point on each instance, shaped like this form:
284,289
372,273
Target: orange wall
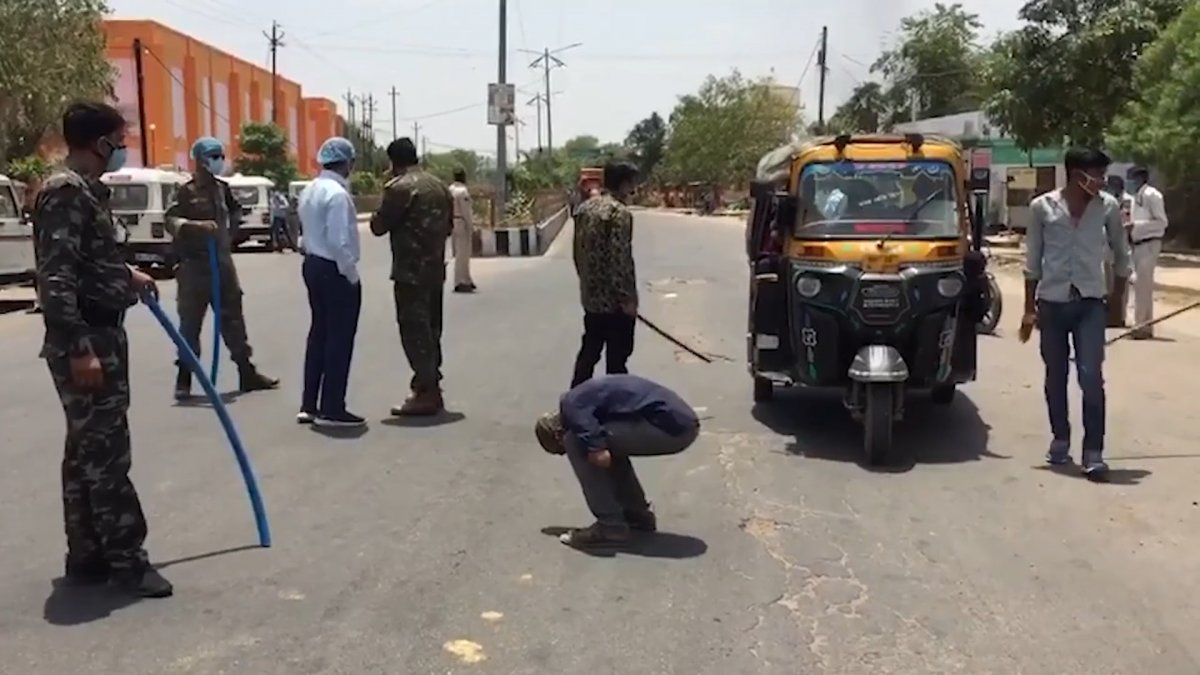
192,89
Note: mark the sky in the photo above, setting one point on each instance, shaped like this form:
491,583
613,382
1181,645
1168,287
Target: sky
635,59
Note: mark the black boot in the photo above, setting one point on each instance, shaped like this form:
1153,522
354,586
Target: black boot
141,581
85,572
249,379
183,385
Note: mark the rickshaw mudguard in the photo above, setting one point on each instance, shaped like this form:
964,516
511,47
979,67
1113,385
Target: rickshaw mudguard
878,363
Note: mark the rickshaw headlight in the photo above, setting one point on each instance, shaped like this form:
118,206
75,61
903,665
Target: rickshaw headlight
950,287
808,287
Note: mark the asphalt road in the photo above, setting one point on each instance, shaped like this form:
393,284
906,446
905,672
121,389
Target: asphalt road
423,549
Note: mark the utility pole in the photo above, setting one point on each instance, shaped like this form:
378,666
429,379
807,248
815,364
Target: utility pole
537,100
548,61
823,64
395,134
499,207
416,134
275,39
349,114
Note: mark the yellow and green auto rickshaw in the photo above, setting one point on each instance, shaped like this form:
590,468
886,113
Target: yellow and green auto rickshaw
866,274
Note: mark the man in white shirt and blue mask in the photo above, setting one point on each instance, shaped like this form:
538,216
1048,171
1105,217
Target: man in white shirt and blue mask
330,269
1147,227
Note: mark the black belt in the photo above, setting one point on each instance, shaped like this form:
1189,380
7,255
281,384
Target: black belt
99,317
1147,240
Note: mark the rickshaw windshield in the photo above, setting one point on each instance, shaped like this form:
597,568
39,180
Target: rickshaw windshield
909,199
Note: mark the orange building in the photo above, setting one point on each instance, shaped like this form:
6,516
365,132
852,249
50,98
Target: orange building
190,89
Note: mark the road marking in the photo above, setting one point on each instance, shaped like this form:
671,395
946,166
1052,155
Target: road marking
466,651
492,616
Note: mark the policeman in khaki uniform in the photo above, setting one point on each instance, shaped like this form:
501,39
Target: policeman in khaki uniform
85,287
205,209
416,214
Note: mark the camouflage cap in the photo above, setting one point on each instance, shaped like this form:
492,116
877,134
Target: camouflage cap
549,431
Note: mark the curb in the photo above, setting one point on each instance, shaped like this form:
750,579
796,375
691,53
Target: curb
528,241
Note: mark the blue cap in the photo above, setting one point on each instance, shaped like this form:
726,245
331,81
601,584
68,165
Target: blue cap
335,151
206,146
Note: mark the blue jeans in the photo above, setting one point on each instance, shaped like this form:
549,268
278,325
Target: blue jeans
335,305
1082,323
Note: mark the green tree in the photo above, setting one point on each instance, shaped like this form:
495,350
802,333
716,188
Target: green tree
1073,64
937,61
53,53
647,142
264,152
444,164
29,169
864,111
719,134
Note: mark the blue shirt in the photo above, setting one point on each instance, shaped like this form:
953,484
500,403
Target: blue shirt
587,408
1062,253
330,223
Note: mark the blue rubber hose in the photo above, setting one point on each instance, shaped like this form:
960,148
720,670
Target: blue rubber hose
235,441
214,266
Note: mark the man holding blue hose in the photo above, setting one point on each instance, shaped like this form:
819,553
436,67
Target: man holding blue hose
204,209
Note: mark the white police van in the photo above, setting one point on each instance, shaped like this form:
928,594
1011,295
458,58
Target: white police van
139,202
16,235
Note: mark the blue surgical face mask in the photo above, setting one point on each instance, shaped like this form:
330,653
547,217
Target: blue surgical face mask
1135,184
215,165
116,158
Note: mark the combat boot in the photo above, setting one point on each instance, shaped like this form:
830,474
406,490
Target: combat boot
183,385
249,379
85,572
421,404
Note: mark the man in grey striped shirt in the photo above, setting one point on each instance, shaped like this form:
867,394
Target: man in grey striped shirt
1070,234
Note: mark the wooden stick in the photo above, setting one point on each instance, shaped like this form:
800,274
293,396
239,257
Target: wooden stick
672,339
1144,326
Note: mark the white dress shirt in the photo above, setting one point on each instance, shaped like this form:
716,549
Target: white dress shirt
1148,214
330,223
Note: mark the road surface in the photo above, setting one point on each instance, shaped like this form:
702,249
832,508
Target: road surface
422,549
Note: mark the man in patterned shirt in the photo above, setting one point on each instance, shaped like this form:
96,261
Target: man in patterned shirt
607,278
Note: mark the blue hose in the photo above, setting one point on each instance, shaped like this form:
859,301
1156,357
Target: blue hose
214,266
235,441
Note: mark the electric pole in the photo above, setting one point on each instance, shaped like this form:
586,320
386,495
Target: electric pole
549,61
822,63
500,204
416,134
275,39
349,114
395,134
537,100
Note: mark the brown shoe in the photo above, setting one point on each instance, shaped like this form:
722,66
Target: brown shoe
424,404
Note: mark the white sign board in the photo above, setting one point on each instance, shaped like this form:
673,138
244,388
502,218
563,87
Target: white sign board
502,104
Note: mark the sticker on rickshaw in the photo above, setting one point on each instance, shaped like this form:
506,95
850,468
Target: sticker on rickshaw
880,228
881,263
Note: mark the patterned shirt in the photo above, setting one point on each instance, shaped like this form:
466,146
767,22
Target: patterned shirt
1065,253
416,213
604,255
197,201
81,270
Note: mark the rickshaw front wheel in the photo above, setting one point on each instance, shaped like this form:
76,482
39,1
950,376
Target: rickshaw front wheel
879,417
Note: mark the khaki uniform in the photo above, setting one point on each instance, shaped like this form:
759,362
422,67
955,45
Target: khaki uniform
463,237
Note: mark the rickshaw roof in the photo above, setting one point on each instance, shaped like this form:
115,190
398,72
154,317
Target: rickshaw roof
238,180
144,175
776,165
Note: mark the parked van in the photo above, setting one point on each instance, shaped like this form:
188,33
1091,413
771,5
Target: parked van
16,235
254,194
140,198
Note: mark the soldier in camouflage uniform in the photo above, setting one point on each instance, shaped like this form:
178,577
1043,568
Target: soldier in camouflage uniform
205,208
416,214
607,279
85,287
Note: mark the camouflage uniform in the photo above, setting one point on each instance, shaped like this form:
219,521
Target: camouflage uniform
84,288
603,251
197,201
417,213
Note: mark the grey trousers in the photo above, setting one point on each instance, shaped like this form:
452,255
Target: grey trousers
612,492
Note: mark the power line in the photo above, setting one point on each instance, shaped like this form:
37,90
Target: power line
376,18
549,61
198,98
275,39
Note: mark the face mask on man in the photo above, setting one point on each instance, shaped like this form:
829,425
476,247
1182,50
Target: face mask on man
116,158
1136,184
215,165
1090,184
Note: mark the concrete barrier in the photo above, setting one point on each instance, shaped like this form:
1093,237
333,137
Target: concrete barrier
531,240
549,230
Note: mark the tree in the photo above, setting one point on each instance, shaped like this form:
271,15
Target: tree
1072,65
647,142
936,61
444,164
718,134
264,152
865,110
53,53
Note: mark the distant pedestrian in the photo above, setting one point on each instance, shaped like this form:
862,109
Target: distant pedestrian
205,209
281,237
607,277
1148,225
464,233
330,271
1069,236
85,288
601,424
416,214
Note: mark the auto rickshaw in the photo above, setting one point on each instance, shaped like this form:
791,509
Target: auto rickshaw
865,274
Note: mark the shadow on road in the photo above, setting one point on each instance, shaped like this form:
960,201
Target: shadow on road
205,556
341,434
441,420
1114,476
651,545
202,401
76,605
929,434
